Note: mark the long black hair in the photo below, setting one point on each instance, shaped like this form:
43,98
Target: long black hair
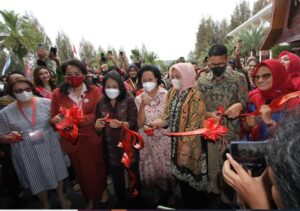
114,75
65,86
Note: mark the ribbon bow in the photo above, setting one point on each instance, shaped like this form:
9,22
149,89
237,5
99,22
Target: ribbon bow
68,127
212,130
129,139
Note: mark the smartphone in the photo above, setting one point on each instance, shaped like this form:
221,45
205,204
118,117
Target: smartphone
251,154
53,51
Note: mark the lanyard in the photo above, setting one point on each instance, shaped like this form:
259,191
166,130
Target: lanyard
33,115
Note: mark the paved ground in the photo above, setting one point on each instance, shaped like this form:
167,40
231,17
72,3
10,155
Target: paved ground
27,201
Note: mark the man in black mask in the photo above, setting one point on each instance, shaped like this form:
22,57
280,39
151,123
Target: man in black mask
222,87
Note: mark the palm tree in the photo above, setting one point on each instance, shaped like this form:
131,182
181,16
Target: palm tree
150,57
252,39
17,34
136,55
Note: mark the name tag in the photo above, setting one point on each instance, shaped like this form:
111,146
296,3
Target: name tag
208,87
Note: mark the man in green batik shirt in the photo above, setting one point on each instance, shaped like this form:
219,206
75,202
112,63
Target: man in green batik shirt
222,87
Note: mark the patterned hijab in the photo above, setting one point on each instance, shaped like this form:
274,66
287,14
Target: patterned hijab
188,75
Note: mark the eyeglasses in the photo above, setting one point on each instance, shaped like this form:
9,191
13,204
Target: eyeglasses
19,91
264,76
217,65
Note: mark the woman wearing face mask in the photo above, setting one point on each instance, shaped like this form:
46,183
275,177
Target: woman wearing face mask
185,111
272,82
37,157
122,112
291,63
133,79
43,82
86,154
155,157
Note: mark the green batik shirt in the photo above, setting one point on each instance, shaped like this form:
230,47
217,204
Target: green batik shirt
224,91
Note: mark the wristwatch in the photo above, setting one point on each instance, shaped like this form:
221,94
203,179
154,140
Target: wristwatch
271,123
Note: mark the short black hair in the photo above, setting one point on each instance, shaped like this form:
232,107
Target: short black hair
284,159
113,74
76,63
65,87
218,50
151,68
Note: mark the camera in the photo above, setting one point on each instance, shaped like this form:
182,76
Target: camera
250,154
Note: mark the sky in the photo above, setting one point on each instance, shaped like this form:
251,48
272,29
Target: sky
167,27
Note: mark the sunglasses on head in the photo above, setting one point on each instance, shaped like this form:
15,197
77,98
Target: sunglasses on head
264,76
19,91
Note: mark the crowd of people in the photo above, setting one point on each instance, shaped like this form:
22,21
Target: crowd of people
173,171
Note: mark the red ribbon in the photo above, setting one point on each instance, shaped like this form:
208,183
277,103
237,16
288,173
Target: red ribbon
68,127
212,130
129,139
276,104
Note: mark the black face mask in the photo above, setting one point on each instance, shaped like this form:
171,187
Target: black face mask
218,71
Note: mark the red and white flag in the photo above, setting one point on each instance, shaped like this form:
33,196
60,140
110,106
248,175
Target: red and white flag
27,71
74,51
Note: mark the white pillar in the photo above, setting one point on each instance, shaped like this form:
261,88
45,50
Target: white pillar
271,54
259,55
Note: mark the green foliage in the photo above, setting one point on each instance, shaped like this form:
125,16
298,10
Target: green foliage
258,5
252,39
87,51
64,46
240,14
278,48
19,34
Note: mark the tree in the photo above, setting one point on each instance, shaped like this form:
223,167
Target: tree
87,51
205,35
258,5
240,14
64,47
252,39
38,30
136,55
17,35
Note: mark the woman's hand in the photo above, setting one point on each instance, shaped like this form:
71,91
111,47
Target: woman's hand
252,190
58,118
100,124
11,138
114,123
234,111
159,123
146,101
266,114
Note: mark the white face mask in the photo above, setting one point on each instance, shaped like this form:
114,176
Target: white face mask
24,96
149,86
176,83
112,93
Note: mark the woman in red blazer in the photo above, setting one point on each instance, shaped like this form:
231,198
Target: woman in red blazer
86,154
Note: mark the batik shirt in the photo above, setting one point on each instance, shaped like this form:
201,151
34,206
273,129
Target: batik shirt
224,91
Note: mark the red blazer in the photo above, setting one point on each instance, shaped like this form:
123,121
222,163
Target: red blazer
87,133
